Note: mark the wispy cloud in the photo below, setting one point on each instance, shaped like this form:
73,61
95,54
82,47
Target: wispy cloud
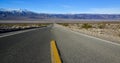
18,2
66,6
105,10
98,11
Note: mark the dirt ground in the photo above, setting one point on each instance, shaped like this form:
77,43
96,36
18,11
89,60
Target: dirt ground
107,31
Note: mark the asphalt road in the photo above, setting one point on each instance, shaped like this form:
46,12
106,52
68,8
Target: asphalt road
34,47
79,48
27,47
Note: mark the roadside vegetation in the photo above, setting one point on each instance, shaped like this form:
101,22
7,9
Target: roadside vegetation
64,24
101,26
86,26
109,30
21,26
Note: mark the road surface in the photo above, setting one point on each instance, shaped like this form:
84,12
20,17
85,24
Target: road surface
79,48
34,47
28,47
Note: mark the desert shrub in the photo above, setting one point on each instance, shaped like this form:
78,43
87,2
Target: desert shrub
86,26
65,24
119,34
101,26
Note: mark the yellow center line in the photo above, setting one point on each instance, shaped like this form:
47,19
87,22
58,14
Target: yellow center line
55,57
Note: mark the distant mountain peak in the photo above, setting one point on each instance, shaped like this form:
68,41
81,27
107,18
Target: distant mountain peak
13,10
8,14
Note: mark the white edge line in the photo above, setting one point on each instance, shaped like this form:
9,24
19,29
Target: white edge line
18,32
96,38
91,36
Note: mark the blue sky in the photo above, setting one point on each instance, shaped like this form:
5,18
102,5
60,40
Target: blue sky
65,6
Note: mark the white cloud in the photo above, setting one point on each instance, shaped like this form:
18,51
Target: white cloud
106,10
66,6
99,11
18,2
89,11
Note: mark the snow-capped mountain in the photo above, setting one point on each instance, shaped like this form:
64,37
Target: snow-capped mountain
6,14
20,14
13,10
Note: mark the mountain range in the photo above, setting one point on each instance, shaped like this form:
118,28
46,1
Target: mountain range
23,14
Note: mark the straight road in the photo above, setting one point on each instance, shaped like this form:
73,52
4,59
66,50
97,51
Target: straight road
79,48
28,47
34,47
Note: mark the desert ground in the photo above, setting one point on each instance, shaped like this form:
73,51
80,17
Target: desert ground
105,30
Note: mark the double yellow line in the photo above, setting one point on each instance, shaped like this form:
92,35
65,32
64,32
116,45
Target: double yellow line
55,57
